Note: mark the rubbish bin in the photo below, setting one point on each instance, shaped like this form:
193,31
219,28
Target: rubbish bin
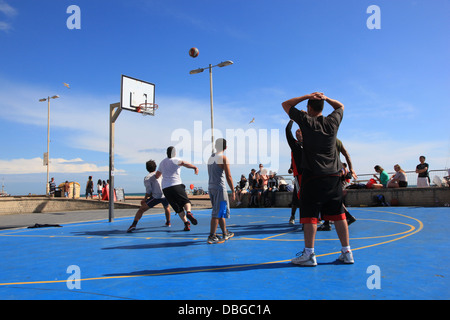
58,193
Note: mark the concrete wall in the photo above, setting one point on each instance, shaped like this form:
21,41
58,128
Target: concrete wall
410,197
42,205
422,197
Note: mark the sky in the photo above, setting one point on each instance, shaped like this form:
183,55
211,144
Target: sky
393,81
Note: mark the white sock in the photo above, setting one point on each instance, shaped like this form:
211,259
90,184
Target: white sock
345,249
309,251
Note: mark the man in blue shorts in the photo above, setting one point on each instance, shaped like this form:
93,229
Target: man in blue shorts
219,174
321,191
153,196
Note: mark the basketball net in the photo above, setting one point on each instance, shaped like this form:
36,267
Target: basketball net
147,109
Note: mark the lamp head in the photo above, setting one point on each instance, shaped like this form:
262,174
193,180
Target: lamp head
199,70
225,63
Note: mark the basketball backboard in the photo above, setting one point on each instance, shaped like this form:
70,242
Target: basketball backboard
135,92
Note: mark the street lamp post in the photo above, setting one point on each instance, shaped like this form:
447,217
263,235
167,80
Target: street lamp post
47,188
199,70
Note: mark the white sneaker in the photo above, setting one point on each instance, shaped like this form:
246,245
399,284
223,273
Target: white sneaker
346,257
291,220
304,259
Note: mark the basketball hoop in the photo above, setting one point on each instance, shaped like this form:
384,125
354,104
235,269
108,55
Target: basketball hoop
147,109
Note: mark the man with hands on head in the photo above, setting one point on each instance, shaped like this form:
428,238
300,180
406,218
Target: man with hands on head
321,191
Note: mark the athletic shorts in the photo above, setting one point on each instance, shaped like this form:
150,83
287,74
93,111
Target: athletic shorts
151,202
219,202
422,182
177,197
321,197
402,184
295,195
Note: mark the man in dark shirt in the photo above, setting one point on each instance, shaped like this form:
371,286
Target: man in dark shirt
295,169
321,190
422,170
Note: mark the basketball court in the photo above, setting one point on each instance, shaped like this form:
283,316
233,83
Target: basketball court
400,253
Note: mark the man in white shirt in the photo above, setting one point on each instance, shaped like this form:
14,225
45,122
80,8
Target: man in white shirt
153,196
173,188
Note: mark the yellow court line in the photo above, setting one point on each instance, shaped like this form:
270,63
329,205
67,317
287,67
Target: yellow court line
362,238
187,238
95,237
228,267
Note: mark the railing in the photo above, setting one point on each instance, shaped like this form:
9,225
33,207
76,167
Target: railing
411,176
362,178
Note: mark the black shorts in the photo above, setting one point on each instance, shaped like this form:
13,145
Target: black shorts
295,194
151,202
177,197
321,196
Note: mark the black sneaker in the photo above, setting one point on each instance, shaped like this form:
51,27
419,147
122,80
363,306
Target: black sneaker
191,218
324,227
131,229
187,226
351,219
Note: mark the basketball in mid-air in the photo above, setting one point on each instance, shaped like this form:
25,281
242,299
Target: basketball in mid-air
193,52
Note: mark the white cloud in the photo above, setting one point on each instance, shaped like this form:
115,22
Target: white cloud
8,12
5,26
85,118
35,165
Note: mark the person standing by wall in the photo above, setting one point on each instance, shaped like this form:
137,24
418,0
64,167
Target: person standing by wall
423,179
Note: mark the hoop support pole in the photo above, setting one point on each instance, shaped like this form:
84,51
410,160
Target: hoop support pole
113,115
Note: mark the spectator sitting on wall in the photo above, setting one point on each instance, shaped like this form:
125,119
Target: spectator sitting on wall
398,180
447,178
269,193
255,192
383,179
241,189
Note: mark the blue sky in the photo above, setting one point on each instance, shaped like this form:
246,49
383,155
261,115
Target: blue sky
394,82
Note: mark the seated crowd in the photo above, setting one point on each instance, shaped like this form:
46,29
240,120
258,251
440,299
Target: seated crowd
260,187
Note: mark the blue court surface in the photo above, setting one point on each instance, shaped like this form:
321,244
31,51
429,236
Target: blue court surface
400,253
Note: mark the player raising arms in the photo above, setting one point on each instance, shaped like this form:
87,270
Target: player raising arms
173,188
